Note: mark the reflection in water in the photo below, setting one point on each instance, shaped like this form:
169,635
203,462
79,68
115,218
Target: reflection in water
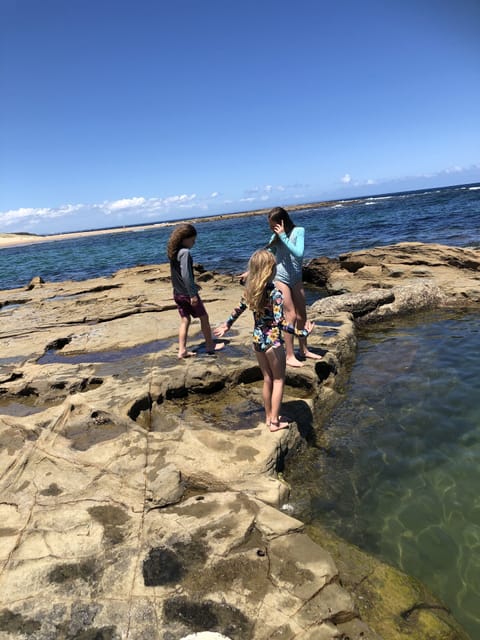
398,468
237,409
18,409
55,356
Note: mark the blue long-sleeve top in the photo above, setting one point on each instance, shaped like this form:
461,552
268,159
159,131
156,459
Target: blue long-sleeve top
288,251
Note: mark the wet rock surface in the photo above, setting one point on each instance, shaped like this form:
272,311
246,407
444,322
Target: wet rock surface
398,279
140,494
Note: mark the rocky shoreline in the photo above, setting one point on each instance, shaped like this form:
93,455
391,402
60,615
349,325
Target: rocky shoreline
141,495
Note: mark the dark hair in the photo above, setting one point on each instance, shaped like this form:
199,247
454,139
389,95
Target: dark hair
277,215
179,234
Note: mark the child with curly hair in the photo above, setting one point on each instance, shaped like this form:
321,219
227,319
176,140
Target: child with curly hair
185,290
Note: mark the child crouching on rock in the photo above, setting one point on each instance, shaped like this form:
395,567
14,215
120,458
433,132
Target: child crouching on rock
185,291
266,302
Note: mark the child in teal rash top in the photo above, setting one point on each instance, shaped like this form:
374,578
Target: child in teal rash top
289,255
287,244
266,302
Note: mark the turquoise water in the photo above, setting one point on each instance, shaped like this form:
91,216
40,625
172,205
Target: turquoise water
397,469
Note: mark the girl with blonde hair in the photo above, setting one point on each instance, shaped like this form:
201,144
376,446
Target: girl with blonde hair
266,302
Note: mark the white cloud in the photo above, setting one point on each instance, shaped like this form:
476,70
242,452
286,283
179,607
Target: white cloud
347,178
124,203
144,205
183,199
455,169
215,194
32,215
268,189
120,209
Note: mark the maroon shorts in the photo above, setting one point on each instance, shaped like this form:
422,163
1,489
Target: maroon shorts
187,309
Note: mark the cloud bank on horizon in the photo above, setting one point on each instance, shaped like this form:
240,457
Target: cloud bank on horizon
127,113
130,211
141,210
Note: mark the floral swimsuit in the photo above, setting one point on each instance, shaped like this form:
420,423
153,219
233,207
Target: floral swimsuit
268,326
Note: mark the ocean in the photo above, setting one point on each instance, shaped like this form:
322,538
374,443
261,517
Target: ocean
399,472
449,216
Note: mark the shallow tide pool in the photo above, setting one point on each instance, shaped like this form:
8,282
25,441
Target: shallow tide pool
397,467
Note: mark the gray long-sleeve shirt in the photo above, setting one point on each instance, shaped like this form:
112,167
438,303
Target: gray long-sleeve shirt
181,270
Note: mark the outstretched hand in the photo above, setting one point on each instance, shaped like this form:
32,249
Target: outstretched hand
243,277
309,325
221,330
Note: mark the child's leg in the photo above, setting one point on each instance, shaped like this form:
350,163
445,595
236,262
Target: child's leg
272,364
207,333
298,297
182,337
267,384
277,363
290,318
210,345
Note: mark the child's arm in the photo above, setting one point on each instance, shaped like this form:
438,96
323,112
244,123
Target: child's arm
222,329
186,271
301,333
296,248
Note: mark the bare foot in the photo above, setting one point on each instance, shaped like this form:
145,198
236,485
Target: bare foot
186,354
218,346
312,355
293,362
278,425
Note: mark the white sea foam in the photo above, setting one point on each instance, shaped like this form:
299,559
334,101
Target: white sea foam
415,194
473,188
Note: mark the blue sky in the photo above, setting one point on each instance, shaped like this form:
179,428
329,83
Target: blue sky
116,112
